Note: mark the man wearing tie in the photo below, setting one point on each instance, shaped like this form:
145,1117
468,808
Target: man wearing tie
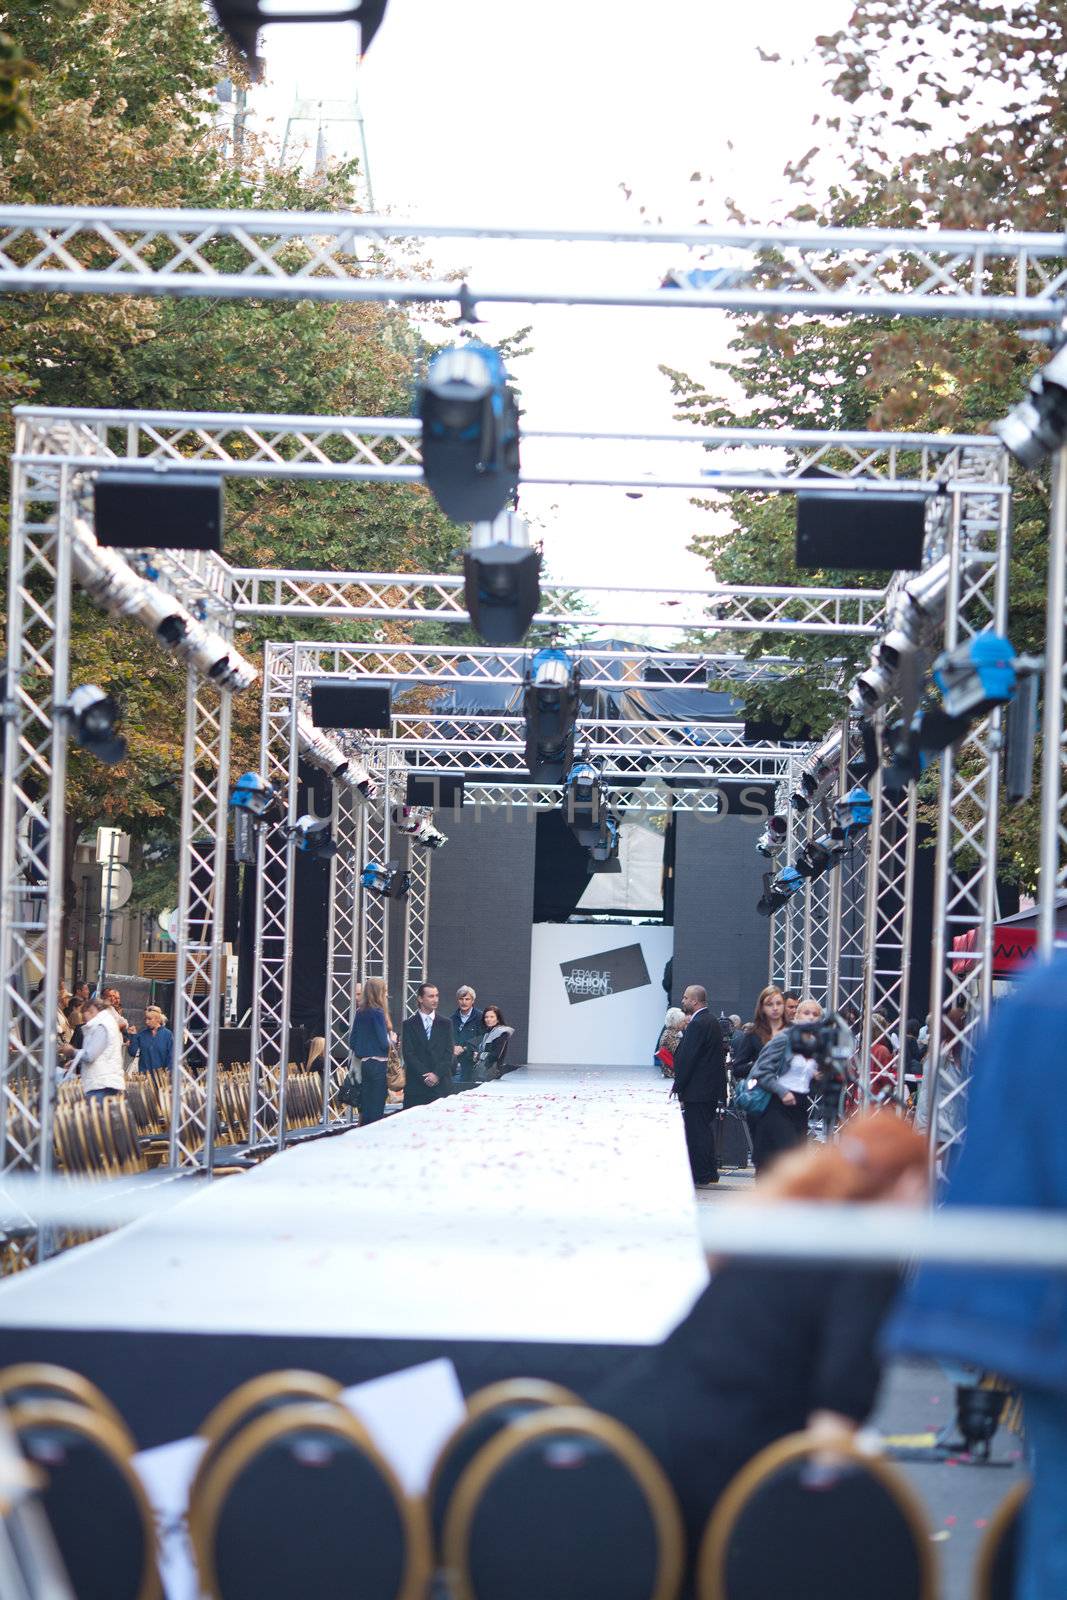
429,1051
700,1083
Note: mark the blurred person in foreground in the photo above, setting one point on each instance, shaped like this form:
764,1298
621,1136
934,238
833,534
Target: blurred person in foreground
1012,1322
771,1347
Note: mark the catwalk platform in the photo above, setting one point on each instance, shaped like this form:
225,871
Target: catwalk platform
542,1225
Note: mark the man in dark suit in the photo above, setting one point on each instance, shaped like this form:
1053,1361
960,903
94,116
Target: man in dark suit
700,1083
429,1051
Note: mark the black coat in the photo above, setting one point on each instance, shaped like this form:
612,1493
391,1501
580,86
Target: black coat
700,1061
763,1347
744,1053
422,1055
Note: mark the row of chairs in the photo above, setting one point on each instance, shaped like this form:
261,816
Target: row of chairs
533,1497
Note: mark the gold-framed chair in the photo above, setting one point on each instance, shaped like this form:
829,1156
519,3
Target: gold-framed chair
807,1517
255,1398
488,1410
339,1521
93,1499
564,1502
41,1380
998,1554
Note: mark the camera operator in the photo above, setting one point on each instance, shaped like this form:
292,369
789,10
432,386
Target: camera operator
787,1077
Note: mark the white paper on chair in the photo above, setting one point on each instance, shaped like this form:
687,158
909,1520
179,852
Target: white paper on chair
409,1415
167,1473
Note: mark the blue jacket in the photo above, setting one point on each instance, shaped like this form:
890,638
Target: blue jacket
369,1036
1015,1155
155,1051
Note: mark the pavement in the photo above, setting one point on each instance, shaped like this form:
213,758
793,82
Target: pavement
918,1399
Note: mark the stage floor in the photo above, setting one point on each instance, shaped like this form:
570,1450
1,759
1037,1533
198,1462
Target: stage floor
555,1205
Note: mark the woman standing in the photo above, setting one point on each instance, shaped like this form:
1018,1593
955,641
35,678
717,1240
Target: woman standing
667,1044
372,1033
768,1020
153,1046
492,1049
787,1079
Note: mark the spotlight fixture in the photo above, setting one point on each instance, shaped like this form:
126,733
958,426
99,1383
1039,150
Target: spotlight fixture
470,432
429,837
585,802
872,687
502,579
977,676
253,802
895,649
385,880
241,20
550,707
854,811
312,836
604,856
773,837
320,751
905,755
112,583
777,892
93,715
813,859
1037,427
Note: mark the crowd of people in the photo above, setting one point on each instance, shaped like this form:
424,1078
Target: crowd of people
751,1066
433,1055
98,1042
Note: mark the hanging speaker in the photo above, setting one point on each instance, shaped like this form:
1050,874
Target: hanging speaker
861,532
158,510
340,703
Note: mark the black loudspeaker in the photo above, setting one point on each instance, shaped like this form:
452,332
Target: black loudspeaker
440,792
158,510
1021,724
339,703
861,532
733,1146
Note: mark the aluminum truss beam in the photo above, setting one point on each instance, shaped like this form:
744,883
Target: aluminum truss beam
291,255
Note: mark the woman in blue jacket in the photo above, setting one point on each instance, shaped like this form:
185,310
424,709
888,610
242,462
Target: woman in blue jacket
1013,1323
372,1034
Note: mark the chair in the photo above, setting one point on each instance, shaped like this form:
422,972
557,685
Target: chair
565,1503
256,1398
804,1519
301,1502
39,1380
998,1555
488,1411
92,1498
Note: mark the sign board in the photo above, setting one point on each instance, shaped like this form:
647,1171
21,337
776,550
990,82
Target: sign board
116,887
111,845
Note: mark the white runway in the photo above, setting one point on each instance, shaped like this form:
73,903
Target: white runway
555,1205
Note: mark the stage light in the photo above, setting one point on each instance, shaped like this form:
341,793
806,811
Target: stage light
604,855
1037,427
814,857
429,837
385,880
853,813
406,819
241,20
872,687
977,676
114,585
922,600
773,836
312,836
321,752
253,802
905,755
585,802
550,707
93,715
502,579
895,649
470,432
777,892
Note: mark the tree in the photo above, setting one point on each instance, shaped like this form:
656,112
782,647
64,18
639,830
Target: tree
114,110
947,115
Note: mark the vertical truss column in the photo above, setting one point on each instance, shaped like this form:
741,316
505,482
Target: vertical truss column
833,980
374,908
1052,878
270,1018
968,815
781,931
888,920
199,984
818,935
36,690
342,959
416,927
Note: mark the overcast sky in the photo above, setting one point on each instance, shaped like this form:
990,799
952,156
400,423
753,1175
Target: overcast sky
546,112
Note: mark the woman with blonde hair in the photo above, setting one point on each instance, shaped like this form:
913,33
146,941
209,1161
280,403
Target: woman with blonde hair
372,1033
769,1350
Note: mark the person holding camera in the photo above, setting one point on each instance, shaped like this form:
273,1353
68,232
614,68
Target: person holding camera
786,1076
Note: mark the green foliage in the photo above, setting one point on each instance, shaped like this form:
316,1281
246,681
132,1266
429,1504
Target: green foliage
973,93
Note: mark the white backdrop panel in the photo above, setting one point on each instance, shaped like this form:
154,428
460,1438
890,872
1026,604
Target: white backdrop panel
605,1029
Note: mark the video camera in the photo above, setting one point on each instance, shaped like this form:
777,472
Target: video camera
830,1044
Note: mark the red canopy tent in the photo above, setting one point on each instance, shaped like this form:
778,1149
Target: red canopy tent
1014,942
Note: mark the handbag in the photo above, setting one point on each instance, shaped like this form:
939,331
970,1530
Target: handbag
665,1058
750,1098
349,1090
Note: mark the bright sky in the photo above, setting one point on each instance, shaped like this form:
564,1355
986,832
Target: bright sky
540,113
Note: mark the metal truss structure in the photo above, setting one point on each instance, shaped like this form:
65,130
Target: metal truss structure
95,250
1013,277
